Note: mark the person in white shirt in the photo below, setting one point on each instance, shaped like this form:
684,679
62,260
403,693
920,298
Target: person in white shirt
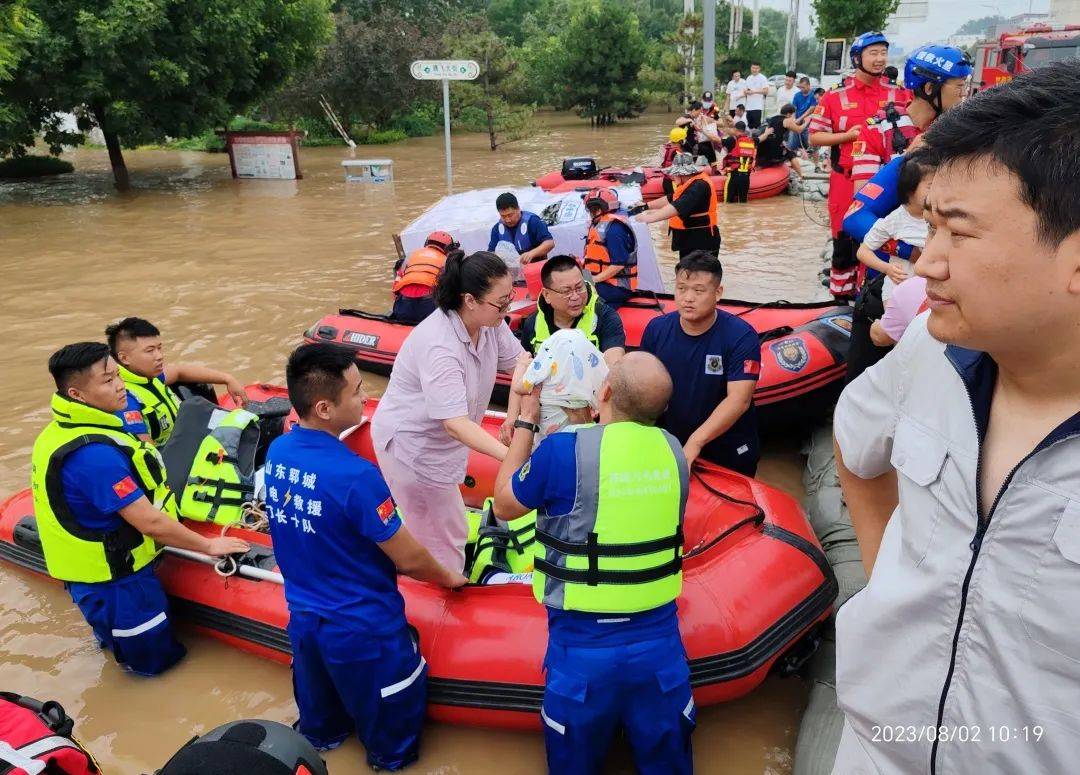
904,224
736,91
757,88
786,94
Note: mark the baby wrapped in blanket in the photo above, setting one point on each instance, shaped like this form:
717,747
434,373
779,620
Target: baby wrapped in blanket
569,370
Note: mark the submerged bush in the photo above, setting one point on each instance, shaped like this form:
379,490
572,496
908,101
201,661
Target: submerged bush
33,167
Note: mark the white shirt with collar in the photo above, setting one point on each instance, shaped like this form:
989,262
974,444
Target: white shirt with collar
756,101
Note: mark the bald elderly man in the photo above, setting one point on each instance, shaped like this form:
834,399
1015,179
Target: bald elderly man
613,635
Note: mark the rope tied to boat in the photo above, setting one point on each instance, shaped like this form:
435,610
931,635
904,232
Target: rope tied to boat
252,517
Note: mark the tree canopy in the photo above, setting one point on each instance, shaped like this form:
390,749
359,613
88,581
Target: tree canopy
142,70
847,19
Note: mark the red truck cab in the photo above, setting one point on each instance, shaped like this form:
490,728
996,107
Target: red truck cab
997,62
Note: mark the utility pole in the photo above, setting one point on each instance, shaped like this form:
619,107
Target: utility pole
708,53
791,36
756,26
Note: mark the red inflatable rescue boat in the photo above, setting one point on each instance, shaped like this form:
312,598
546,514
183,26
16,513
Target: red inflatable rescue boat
756,587
764,182
803,349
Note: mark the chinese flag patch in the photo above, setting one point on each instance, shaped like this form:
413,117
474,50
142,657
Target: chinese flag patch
858,148
819,110
133,417
385,510
871,190
124,487
751,367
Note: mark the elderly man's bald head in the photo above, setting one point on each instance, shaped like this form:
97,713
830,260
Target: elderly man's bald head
640,387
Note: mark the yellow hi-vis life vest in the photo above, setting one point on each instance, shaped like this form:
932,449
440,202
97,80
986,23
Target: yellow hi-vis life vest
72,552
159,404
505,546
620,549
222,475
586,322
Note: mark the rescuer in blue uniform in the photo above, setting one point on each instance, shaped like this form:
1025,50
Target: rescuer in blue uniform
526,231
104,510
340,544
610,500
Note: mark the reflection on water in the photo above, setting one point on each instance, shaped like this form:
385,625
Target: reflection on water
233,272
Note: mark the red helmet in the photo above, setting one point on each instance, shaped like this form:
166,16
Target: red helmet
442,241
603,198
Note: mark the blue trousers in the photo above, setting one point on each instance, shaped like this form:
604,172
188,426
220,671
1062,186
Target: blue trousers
613,295
413,309
643,687
130,617
346,680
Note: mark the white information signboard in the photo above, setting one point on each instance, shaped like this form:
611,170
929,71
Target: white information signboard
445,70
263,156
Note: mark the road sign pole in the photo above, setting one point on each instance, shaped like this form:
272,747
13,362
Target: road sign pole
445,70
446,132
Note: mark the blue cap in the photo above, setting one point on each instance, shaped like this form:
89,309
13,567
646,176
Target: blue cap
865,40
935,64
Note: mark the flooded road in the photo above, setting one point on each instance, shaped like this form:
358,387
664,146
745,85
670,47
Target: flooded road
233,272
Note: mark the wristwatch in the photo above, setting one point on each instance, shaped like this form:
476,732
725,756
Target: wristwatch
526,425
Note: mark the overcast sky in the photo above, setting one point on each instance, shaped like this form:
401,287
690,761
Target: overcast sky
945,16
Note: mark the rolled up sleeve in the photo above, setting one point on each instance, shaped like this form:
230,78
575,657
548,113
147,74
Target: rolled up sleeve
442,380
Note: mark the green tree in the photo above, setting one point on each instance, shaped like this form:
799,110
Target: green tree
602,51
808,56
142,70
17,27
983,26
499,83
848,18
364,72
432,17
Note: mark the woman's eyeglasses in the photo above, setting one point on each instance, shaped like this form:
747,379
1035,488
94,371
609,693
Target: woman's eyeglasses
502,308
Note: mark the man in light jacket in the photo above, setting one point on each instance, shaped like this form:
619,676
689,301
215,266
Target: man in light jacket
958,454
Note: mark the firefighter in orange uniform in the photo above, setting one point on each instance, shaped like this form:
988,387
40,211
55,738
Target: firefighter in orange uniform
610,248
689,206
739,163
414,286
836,122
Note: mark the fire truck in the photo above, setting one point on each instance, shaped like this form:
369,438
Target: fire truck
1017,52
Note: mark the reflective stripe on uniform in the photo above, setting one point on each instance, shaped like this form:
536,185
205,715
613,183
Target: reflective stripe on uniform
149,624
405,683
560,728
689,708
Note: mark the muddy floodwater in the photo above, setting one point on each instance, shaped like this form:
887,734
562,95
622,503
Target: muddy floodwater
233,272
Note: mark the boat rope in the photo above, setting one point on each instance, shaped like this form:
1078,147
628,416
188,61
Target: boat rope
252,517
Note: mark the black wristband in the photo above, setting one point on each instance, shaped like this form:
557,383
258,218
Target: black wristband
526,425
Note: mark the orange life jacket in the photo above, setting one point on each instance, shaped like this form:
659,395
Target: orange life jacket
707,219
742,156
597,258
422,267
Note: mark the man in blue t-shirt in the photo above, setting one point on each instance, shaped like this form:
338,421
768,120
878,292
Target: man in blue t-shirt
714,359
604,670
101,490
526,231
340,543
